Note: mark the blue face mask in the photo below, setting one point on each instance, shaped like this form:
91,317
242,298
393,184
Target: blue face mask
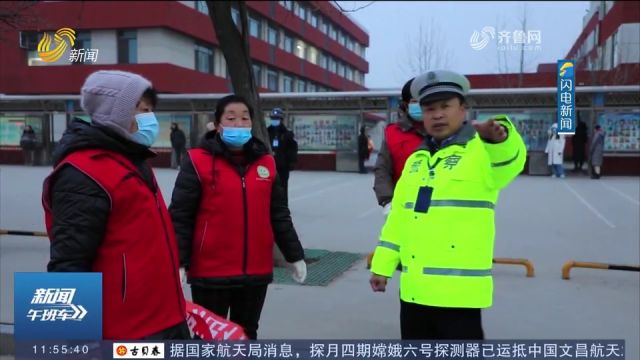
236,137
415,112
148,129
275,122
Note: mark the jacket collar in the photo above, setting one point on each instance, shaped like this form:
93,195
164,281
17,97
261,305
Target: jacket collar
462,137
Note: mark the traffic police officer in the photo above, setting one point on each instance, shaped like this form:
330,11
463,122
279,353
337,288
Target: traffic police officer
441,225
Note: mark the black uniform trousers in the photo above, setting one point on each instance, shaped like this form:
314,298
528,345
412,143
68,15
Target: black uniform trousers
421,322
244,303
283,174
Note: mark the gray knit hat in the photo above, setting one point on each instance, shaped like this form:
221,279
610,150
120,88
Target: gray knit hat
110,98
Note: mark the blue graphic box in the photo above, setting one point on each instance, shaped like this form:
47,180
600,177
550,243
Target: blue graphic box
57,306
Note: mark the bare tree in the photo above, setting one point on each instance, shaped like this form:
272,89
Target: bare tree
426,50
234,44
512,61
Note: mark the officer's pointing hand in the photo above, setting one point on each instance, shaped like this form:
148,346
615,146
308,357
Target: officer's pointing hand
378,283
490,130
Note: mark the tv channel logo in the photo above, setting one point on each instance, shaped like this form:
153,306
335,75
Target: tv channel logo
55,306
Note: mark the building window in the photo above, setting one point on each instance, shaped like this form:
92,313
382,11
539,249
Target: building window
340,69
614,50
341,38
349,73
301,85
287,4
287,84
202,7
300,10
127,47
313,19
272,35
312,55
323,25
272,80
254,27
332,65
332,32
288,43
311,87
349,44
322,61
257,74
300,48
204,59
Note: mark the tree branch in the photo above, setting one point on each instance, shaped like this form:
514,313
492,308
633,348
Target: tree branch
352,10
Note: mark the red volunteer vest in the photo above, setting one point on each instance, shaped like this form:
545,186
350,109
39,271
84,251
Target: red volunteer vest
233,235
401,144
141,290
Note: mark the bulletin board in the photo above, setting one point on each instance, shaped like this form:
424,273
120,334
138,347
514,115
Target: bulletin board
622,130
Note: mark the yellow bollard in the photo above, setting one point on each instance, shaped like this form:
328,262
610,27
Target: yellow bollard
524,262
566,268
23,233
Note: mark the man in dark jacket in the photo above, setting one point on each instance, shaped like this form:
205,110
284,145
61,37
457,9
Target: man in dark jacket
178,143
105,212
363,150
284,146
29,143
579,142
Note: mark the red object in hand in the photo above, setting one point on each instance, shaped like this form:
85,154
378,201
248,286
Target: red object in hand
209,326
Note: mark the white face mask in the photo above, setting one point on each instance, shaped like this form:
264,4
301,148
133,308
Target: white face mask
148,129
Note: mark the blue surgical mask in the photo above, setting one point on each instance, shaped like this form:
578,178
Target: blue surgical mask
275,122
415,112
236,137
148,129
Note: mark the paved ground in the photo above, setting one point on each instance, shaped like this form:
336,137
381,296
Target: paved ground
548,221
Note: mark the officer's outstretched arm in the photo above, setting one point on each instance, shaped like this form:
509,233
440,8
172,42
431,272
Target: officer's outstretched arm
508,157
387,254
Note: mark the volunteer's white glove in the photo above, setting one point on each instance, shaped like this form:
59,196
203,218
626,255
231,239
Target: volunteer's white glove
386,209
298,271
183,276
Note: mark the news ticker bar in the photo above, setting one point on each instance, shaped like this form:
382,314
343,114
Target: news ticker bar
324,349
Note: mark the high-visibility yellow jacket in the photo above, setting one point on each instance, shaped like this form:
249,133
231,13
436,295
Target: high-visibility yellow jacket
441,225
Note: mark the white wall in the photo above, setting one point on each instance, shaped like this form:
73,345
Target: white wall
106,43
628,43
165,46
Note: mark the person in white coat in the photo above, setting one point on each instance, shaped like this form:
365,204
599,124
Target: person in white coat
555,151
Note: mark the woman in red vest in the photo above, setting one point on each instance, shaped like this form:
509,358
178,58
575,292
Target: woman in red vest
228,208
400,140
105,212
